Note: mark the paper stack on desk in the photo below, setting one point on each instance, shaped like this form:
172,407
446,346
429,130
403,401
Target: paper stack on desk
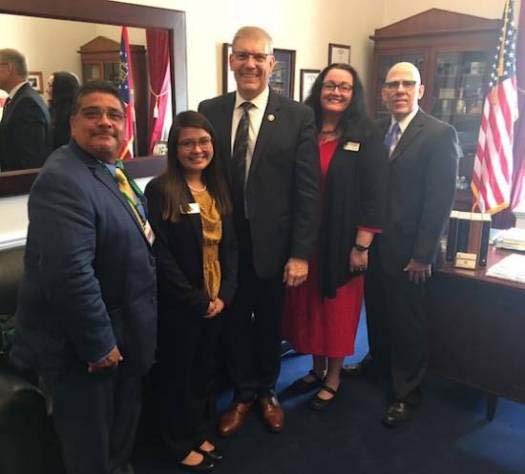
511,268
512,239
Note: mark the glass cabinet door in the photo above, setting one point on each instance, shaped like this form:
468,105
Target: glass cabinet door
459,87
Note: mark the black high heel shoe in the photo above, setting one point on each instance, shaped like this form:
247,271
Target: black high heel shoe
206,465
317,403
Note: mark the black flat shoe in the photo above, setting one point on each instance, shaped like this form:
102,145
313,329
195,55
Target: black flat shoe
303,386
319,404
215,455
206,465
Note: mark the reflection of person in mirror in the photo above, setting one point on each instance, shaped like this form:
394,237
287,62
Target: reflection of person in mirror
61,89
24,130
87,316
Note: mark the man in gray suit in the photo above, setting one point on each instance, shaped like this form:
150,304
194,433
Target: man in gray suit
423,164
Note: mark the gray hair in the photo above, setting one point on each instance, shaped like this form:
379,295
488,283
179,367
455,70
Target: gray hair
254,32
17,59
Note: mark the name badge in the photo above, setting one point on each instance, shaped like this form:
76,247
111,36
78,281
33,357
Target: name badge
352,146
148,232
194,208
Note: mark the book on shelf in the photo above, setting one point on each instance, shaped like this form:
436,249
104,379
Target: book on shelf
468,235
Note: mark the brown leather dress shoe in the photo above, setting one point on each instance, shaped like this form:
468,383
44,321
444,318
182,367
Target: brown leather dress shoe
272,413
231,421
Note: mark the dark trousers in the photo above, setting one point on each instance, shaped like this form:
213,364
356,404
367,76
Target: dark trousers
183,377
253,327
396,321
95,417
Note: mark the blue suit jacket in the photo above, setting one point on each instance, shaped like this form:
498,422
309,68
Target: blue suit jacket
89,279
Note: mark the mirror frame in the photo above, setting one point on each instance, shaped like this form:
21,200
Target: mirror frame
110,13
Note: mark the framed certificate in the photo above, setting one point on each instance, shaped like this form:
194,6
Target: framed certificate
338,53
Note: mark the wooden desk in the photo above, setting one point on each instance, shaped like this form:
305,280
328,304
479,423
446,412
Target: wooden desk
477,330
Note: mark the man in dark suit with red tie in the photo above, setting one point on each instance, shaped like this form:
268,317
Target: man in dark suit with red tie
25,139
423,164
268,147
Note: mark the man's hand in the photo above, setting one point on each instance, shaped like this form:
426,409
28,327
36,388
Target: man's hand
214,308
418,272
109,361
295,271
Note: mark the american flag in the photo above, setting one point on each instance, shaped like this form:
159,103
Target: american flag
125,87
492,175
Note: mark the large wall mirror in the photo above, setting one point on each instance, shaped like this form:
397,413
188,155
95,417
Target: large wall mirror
52,34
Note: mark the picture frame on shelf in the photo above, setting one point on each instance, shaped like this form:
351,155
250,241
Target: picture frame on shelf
282,79
338,53
228,80
307,79
36,81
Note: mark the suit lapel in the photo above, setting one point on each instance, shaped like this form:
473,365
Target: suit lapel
223,128
413,130
267,129
195,219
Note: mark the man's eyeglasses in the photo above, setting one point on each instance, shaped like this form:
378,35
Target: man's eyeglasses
394,85
343,87
96,113
189,145
244,56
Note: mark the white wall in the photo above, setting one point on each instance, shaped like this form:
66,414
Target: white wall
306,26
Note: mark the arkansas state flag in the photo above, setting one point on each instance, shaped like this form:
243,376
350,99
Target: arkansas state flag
125,87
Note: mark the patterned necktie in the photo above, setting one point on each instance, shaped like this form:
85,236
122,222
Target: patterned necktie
130,196
6,104
240,147
392,137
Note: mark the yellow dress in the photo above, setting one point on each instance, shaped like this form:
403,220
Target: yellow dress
211,236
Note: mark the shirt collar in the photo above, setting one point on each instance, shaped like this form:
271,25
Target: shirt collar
259,101
405,121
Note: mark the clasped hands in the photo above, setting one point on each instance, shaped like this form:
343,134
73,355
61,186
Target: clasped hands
214,308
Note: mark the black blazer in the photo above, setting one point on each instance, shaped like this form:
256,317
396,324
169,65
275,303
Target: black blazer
421,188
282,191
354,195
25,138
178,249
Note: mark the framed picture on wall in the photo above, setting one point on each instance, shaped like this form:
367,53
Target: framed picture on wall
308,77
283,76
338,53
36,81
228,81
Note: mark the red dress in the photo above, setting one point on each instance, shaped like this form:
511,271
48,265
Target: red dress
323,327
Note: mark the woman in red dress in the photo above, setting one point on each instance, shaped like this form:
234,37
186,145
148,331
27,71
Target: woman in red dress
321,316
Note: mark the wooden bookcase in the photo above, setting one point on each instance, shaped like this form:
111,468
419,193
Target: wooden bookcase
454,54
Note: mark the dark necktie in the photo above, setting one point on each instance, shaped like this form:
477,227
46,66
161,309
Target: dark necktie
392,137
240,147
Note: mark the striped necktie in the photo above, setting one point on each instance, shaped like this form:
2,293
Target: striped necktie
240,147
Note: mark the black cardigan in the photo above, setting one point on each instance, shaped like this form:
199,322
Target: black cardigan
354,193
178,250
